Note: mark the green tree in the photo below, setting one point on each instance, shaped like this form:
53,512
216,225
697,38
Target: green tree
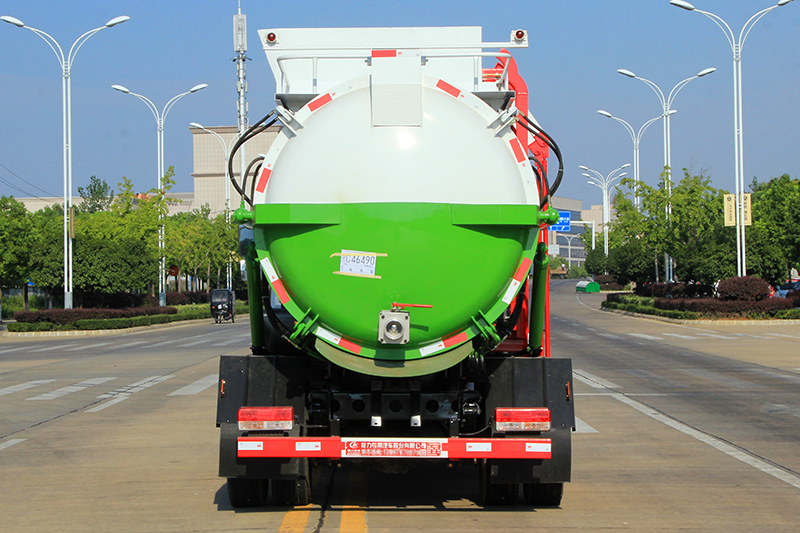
773,241
47,253
97,196
16,241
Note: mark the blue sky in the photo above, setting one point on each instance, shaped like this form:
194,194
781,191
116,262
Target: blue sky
577,46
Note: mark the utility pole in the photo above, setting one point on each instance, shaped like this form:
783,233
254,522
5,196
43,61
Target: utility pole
240,47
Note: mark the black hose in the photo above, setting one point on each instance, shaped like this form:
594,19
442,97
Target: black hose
541,173
258,159
252,131
541,134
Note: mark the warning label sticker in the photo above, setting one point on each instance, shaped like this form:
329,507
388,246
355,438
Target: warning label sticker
393,448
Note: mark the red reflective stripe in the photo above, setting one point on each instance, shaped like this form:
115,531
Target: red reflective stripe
456,339
319,102
449,89
455,448
347,345
280,290
384,53
518,152
523,269
263,179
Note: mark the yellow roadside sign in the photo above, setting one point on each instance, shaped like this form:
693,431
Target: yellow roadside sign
730,209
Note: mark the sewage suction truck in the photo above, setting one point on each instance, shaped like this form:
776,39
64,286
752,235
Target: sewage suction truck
395,244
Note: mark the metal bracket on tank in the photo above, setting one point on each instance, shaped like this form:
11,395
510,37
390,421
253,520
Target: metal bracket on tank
302,329
503,120
288,119
487,330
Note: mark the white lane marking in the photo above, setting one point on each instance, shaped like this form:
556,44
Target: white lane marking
49,348
583,427
783,335
749,336
86,347
129,344
779,409
69,389
610,336
774,375
198,386
655,378
593,381
24,386
136,387
9,350
121,397
195,343
686,337
123,393
161,343
647,337
227,342
719,378
714,442
717,336
10,443
573,336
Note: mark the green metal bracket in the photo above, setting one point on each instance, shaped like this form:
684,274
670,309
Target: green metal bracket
548,217
242,215
302,329
487,330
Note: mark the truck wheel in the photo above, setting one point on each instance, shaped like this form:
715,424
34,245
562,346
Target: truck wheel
496,493
246,492
543,494
294,492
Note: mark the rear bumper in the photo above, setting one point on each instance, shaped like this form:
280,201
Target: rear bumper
396,448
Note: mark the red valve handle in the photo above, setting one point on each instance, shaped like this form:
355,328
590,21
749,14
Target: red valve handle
396,305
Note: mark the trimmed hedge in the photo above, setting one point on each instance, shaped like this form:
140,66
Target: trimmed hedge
674,290
111,323
724,308
68,316
647,310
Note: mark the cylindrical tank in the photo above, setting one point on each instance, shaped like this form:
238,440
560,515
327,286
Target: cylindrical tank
396,245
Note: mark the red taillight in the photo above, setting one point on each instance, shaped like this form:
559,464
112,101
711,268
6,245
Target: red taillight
266,418
272,38
522,419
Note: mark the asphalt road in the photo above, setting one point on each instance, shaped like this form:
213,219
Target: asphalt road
692,428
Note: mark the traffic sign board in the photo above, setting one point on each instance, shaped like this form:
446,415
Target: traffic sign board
564,219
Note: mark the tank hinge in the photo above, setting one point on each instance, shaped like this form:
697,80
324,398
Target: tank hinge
486,330
302,330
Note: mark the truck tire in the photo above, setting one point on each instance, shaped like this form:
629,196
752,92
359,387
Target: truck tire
293,492
496,493
543,494
247,492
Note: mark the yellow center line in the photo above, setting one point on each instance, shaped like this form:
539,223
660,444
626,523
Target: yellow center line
354,516
295,520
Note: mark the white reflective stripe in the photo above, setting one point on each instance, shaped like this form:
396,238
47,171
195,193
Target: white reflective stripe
431,348
251,446
198,386
10,443
479,446
308,446
269,269
537,447
323,333
511,291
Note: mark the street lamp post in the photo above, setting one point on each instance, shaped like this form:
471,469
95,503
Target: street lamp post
226,149
569,238
666,104
66,113
736,48
636,138
160,118
604,183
